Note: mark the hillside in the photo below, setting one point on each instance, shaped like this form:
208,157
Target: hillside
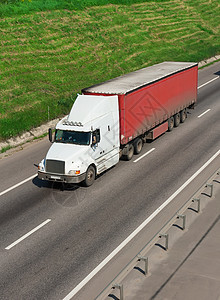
48,56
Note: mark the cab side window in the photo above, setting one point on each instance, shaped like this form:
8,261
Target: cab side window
96,136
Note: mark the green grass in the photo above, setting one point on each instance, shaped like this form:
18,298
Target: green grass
4,149
12,7
50,50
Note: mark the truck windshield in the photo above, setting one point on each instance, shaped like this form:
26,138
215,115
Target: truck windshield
72,137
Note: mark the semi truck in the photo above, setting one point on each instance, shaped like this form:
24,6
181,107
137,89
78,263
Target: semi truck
113,119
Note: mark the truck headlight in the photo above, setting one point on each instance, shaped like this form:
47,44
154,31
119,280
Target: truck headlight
41,166
74,172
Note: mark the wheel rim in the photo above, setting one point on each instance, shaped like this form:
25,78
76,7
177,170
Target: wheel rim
130,154
139,146
90,175
171,123
184,116
177,120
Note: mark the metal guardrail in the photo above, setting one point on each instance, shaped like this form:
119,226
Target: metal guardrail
141,255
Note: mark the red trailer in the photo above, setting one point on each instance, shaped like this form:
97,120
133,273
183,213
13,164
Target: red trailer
151,100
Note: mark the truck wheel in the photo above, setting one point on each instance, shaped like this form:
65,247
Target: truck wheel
130,153
138,144
90,176
170,124
183,115
176,120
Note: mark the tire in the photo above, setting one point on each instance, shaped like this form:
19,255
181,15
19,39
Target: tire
130,153
90,176
183,115
170,123
138,144
176,120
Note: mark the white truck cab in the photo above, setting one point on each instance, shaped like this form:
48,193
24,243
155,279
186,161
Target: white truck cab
86,142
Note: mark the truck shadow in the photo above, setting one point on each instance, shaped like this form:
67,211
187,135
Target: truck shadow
59,186
67,195
40,183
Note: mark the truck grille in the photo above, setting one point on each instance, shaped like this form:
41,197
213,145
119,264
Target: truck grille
55,166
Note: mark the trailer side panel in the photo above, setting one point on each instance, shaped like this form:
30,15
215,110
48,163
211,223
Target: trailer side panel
145,108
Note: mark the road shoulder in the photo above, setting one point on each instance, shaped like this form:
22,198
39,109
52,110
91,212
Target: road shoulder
190,267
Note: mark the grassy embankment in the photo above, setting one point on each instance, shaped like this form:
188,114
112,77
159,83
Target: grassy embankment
48,56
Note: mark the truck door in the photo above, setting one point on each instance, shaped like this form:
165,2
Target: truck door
104,147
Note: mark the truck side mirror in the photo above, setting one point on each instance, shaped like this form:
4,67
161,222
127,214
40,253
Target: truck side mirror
50,135
98,137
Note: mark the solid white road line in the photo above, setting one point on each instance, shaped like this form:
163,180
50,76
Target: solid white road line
208,82
18,184
28,234
133,234
142,156
205,112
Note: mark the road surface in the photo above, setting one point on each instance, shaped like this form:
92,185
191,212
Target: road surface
51,239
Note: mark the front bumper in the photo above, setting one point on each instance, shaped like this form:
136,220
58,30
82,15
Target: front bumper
61,178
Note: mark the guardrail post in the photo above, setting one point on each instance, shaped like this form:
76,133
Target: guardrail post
198,201
145,259
183,217
120,287
211,186
166,236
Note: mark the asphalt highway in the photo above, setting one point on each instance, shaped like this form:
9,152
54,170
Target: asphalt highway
51,239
